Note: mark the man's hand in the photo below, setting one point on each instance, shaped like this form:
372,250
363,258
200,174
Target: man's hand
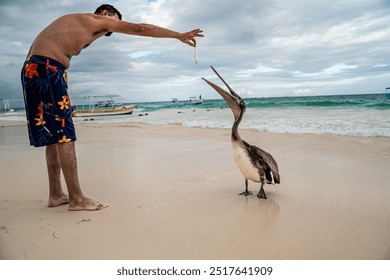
189,37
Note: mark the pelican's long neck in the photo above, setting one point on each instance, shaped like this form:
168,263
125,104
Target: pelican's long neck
235,135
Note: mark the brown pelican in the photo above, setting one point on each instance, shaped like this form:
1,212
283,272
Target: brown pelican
254,163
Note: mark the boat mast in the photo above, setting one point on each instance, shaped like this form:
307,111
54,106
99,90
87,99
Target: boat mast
7,108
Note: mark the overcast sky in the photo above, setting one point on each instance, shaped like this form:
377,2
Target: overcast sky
261,47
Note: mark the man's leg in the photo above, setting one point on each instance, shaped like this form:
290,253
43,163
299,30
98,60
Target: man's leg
68,162
56,195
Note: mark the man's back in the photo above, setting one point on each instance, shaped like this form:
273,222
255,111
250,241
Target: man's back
68,35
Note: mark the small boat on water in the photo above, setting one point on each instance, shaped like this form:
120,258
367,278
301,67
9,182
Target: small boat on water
126,110
387,93
192,100
6,108
103,108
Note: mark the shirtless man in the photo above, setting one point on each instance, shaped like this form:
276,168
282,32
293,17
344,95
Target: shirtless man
48,110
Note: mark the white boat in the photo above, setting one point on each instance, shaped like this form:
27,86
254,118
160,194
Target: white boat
387,94
103,108
126,110
7,108
192,100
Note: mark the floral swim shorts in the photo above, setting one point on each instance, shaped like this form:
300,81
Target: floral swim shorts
48,109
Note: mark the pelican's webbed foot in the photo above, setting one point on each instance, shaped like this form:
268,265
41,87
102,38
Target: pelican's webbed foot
246,193
261,193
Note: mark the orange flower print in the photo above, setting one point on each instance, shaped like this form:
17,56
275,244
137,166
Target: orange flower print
40,110
64,103
40,120
64,139
48,66
61,120
31,70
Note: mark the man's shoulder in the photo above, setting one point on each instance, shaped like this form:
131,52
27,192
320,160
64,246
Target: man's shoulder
83,17
80,18
78,15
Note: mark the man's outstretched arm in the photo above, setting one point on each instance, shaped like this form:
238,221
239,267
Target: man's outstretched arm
149,30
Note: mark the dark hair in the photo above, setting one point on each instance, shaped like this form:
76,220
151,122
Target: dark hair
111,11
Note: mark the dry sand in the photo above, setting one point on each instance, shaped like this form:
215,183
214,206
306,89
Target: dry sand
173,194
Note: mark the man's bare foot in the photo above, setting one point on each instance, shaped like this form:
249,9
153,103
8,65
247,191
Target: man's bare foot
57,201
86,204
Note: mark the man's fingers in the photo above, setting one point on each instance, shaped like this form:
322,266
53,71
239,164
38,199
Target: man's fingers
190,37
198,33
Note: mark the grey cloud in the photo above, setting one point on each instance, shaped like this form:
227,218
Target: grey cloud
265,48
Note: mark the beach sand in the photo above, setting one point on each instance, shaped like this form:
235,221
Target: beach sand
173,194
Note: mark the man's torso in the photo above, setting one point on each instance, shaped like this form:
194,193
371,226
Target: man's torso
67,36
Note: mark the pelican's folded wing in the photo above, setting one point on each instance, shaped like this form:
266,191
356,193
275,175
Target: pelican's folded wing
266,161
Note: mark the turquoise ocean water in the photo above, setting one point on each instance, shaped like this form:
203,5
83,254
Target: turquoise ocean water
364,101
352,115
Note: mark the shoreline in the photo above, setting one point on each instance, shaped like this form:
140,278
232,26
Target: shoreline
92,124
303,120
173,194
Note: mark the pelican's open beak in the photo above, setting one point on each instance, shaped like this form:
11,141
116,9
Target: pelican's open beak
234,101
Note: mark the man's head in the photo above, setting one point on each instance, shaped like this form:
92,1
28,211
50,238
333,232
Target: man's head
110,10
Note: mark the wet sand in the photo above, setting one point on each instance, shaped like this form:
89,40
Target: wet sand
173,194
